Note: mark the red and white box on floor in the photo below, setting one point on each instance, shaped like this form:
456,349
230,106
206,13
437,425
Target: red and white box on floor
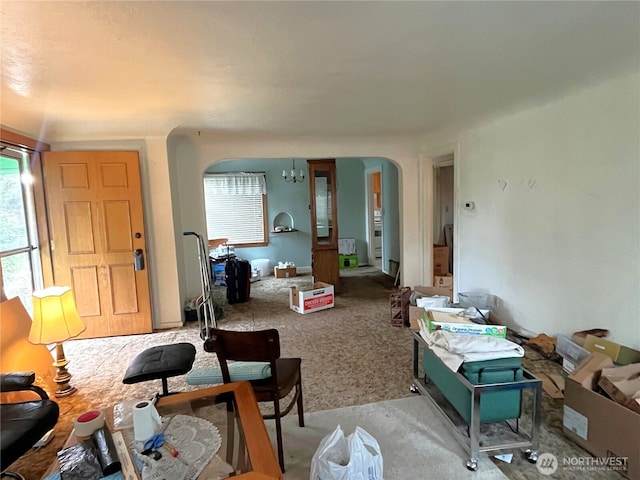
320,297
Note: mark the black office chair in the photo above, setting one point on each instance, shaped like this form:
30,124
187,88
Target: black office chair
23,423
262,346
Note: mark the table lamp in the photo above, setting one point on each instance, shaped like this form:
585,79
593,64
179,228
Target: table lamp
56,319
17,354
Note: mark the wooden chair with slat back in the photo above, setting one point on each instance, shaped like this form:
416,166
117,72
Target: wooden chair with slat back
262,346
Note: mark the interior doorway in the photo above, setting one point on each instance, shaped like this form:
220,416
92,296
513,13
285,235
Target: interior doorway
375,223
443,212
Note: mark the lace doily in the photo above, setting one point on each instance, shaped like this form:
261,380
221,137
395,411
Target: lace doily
197,440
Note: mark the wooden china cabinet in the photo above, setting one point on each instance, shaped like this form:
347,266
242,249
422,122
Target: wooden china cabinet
324,221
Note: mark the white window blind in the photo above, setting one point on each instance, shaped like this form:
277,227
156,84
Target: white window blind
234,204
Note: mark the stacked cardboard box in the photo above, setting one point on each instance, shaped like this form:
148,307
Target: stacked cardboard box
622,384
319,297
607,425
442,278
620,354
440,260
416,312
286,272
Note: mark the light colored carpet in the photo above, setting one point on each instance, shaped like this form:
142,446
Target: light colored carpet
414,441
351,355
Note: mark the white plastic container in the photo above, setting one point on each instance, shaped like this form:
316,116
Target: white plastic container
572,354
262,264
435,301
474,299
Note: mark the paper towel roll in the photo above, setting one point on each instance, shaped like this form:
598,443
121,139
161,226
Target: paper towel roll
88,422
146,420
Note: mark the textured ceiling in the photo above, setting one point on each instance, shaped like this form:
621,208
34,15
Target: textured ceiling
74,70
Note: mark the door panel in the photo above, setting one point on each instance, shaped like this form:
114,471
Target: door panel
88,304
95,210
78,219
325,267
117,226
124,298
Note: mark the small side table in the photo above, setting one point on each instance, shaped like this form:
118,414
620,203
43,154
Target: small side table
233,409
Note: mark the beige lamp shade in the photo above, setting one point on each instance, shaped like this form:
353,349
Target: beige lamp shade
55,317
16,353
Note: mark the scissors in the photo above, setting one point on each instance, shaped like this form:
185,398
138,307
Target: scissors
154,443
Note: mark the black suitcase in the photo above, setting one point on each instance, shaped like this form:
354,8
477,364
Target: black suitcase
238,276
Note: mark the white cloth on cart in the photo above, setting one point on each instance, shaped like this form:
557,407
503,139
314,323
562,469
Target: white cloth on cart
454,349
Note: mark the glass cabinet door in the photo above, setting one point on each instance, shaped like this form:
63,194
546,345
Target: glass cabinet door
323,209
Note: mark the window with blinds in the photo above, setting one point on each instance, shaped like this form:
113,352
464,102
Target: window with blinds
235,205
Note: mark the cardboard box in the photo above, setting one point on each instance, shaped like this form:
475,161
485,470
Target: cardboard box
451,322
416,313
348,261
552,384
440,260
285,272
619,353
622,384
588,372
572,354
603,427
320,297
443,281
346,246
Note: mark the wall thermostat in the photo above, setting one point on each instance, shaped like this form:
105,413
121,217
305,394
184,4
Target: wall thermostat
469,205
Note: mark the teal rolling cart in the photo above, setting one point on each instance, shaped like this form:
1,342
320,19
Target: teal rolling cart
479,393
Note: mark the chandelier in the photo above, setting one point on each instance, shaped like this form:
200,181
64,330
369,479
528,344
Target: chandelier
293,176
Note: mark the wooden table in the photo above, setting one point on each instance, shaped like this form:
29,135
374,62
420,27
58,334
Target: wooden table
246,444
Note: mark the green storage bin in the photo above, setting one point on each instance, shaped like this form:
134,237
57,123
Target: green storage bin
348,261
495,406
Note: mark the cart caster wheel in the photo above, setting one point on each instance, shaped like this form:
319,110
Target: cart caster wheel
472,465
532,456
414,388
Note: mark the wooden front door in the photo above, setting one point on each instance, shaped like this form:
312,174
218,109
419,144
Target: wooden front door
94,203
324,221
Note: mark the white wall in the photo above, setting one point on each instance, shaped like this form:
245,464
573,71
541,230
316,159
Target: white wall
556,230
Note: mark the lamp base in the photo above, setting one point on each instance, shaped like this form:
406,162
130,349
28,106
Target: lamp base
63,376
66,391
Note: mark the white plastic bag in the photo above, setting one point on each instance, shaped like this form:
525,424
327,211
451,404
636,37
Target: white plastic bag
356,457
